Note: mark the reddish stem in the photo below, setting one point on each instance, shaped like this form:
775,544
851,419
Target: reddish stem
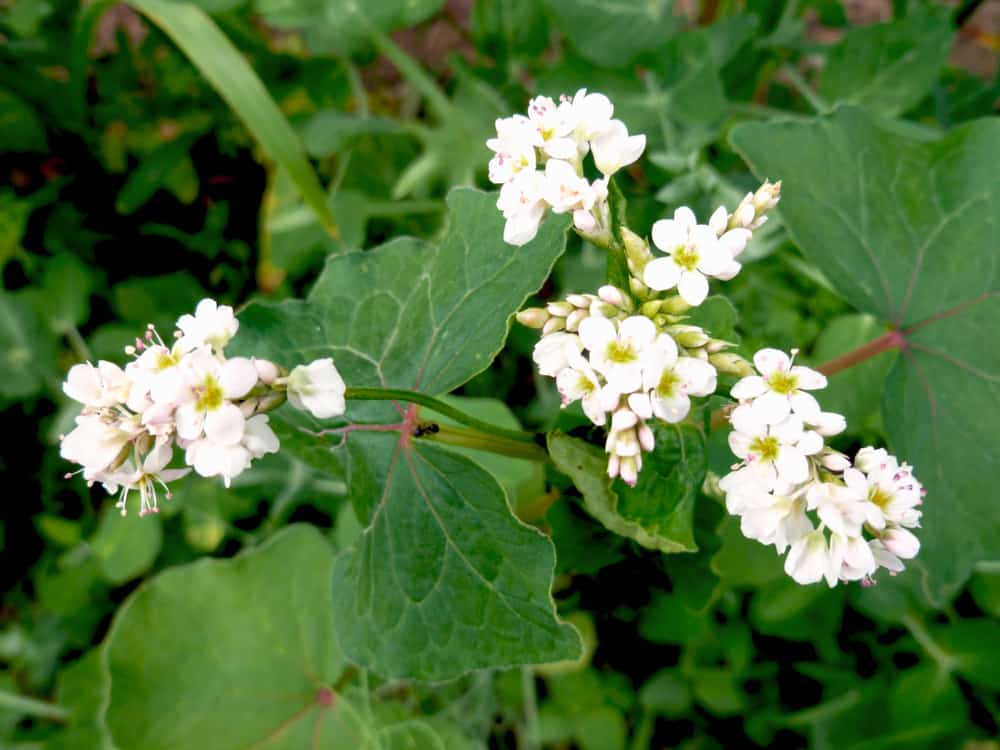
888,340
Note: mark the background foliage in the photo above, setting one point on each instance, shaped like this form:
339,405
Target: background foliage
156,152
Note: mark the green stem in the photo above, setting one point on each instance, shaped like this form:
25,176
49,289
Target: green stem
942,658
77,344
33,707
422,399
806,90
529,695
411,70
484,441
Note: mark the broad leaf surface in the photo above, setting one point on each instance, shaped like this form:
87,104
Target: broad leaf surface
658,512
889,67
443,579
907,230
240,654
613,32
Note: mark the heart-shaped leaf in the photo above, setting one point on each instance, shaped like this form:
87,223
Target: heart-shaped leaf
907,230
443,579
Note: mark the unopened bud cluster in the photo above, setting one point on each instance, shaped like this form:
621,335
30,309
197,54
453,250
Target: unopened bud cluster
839,521
538,161
188,395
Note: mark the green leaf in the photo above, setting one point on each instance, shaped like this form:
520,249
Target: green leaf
228,72
972,645
20,127
126,546
613,32
441,560
906,230
856,392
66,288
229,654
658,512
889,67
27,351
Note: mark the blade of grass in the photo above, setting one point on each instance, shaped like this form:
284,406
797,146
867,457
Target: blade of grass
222,65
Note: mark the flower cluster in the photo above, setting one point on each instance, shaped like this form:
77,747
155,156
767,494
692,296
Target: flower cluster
189,395
839,521
538,160
623,365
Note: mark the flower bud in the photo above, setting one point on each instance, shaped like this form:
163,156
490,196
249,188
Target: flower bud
646,438
767,196
576,317
559,309
716,345
901,543
637,250
649,309
731,363
553,325
639,289
675,304
533,317
581,301
612,295
834,461
267,371
690,337
601,309
629,470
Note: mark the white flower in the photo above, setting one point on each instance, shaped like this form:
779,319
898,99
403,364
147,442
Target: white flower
885,558
211,459
578,382
514,147
101,386
775,453
523,206
590,219
593,115
781,388
96,443
900,542
693,253
207,402
672,380
845,509
891,486
554,351
555,124
851,557
211,325
809,560
258,437
614,148
619,355
151,474
317,388
565,190
779,519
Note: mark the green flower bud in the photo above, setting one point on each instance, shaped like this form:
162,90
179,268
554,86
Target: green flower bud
732,363
533,317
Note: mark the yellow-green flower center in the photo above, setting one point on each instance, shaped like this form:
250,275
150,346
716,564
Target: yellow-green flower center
686,258
584,385
782,382
667,386
165,359
879,496
621,354
210,397
765,448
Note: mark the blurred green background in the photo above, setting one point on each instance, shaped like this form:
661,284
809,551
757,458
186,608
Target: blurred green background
130,189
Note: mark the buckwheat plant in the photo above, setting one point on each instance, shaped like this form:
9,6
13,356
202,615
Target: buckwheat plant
441,552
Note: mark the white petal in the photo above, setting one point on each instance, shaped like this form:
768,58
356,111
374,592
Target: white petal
668,235
744,419
597,333
713,258
594,410
771,407
640,404
768,361
661,274
699,377
808,378
685,219
693,287
718,220
810,443
189,421
805,405
830,423
224,425
640,329
792,465
675,408
749,387
788,430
